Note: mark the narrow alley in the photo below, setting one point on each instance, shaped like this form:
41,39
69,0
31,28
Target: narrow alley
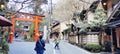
22,47
67,26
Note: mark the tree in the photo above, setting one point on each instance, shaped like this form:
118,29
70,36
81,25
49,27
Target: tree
36,4
100,16
31,30
99,20
28,6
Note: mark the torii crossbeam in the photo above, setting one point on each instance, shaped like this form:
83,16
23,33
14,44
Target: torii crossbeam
26,18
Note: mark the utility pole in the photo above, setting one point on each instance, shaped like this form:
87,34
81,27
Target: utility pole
50,13
51,16
50,19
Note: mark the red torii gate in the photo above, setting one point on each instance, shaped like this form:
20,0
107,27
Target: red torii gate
35,19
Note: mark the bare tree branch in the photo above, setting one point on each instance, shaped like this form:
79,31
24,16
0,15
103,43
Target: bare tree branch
85,1
22,7
29,2
25,1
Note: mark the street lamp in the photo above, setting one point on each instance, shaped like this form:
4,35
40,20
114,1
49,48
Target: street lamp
2,5
104,3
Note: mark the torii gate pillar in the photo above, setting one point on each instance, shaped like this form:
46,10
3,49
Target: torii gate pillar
36,35
35,20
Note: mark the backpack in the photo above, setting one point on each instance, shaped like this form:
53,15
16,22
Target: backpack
40,45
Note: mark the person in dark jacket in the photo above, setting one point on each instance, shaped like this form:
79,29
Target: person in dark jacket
40,45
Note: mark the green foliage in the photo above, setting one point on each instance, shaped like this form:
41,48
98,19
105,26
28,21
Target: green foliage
6,35
31,32
93,47
100,17
3,11
69,30
5,48
83,27
4,44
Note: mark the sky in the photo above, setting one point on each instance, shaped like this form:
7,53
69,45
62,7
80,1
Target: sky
45,7
18,6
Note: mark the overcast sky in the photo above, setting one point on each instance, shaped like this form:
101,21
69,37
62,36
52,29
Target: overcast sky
28,10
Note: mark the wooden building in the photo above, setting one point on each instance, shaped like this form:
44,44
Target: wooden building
113,23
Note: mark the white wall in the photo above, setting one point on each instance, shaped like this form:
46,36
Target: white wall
63,26
90,17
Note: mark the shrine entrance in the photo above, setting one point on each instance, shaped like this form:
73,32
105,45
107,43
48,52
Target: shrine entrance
27,17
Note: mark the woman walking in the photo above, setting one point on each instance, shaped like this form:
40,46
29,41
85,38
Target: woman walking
40,45
56,43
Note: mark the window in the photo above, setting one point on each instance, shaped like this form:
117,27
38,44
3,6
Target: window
25,27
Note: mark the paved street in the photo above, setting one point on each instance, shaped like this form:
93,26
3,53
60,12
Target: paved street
21,47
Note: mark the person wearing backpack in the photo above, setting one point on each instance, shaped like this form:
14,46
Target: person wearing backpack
40,45
56,42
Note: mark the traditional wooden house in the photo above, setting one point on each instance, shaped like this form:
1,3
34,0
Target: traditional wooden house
113,23
84,36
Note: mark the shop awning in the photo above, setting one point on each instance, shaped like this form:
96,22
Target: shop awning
5,22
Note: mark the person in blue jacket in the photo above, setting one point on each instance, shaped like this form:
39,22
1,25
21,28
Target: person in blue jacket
40,45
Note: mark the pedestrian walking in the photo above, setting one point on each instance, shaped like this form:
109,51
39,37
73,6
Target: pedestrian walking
40,45
56,42
16,35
